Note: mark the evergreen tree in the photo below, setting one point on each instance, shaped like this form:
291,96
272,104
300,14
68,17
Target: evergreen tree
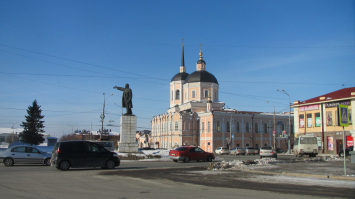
33,127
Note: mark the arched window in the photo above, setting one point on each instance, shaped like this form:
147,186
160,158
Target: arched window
265,128
176,125
238,128
177,96
247,127
256,128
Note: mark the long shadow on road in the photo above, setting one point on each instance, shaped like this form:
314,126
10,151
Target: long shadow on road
229,179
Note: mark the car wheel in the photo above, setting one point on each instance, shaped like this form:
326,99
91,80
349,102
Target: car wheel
187,159
175,160
110,164
209,159
9,162
341,154
64,165
47,162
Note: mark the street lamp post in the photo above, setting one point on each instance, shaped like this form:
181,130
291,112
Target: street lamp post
274,126
289,119
103,116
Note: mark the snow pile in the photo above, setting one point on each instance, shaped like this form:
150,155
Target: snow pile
146,155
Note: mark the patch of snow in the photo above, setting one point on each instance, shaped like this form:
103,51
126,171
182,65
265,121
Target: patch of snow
301,181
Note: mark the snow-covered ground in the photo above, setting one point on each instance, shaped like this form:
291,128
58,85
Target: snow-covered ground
164,154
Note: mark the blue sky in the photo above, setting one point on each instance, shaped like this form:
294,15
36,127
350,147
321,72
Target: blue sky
66,54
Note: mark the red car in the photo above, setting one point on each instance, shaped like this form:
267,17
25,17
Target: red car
187,153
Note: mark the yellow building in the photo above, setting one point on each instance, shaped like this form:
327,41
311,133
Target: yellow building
196,116
318,116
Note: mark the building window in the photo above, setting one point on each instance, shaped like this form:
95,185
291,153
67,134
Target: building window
309,120
238,145
172,95
265,144
228,127
177,95
291,129
247,145
265,128
329,118
318,120
218,127
256,128
170,125
176,125
193,94
247,127
257,146
203,127
238,128
209,127
206,93
301,121
282,127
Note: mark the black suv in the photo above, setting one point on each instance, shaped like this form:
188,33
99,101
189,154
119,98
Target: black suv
74,154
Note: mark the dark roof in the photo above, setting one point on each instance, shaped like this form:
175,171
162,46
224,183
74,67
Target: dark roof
339,94
201,76
180,76
201,61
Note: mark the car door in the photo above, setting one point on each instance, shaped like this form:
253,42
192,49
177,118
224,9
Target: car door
33,155
200,154
95,155
192,154
74,152
19,154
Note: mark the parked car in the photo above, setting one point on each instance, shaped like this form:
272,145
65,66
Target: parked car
237,151
267,151
75,154
341,152
222,150
187,153
251,151
24,154
278,150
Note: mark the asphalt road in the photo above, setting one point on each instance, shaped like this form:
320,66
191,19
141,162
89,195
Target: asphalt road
146,180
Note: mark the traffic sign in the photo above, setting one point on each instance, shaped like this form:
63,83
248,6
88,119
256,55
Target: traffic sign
273,133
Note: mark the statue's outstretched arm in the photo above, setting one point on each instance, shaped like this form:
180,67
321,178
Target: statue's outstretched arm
119,88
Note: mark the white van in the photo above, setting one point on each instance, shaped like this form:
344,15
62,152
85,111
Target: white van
305,145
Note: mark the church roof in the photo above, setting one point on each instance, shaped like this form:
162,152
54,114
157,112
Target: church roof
201,76
180,76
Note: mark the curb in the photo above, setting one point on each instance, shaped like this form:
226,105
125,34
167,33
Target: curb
304,175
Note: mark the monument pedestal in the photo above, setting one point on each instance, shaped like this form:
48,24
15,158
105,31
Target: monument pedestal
127,143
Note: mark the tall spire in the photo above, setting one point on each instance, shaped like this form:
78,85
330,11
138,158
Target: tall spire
182,67
182,57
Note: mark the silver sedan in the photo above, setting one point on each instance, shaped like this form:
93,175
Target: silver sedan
26,155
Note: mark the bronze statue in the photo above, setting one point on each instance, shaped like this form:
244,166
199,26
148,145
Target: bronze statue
126,98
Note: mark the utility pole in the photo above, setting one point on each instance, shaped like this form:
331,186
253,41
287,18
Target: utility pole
289,119
274,135
103,116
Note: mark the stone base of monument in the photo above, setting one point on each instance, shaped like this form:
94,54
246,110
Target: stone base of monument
127,143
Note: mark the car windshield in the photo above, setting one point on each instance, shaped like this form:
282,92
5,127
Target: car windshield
266,147
181,149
